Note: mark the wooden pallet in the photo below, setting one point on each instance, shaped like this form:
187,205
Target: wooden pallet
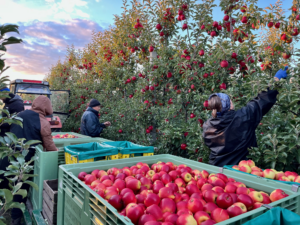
50,201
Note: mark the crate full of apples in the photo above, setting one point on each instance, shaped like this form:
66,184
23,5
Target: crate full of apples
166,194
61,136
248,166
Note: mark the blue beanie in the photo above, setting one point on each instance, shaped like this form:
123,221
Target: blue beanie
4,89
281,73
225,102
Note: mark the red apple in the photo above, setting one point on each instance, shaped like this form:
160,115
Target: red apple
277,195
167,205
81,175
209,207
155,211
194,205
224,200
125,190
116,202
242,190
201,216
219,215
191,189
146,218
120,184
172,218
241,205
134,212
186,219
88,179
230,188
234,210
140,198
166,192
128,198
246,200
210,196
184,211
151,199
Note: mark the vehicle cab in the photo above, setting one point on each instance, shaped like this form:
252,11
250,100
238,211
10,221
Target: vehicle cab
31,89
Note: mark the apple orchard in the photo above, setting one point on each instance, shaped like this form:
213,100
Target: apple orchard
155,68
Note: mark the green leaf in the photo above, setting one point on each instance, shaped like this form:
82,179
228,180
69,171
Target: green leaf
9,28
15,205
11,40
2,64
2,48
12,137
32,142
7,195
22,192
32,184
21,160
17,187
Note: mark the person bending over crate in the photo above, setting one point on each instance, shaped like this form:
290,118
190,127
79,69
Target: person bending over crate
35,127
90,124
230,133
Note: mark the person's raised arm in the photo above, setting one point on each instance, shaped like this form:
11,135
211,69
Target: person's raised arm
265,100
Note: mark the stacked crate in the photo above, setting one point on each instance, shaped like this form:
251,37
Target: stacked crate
50,201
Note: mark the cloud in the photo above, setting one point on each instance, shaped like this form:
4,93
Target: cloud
44,43
12,11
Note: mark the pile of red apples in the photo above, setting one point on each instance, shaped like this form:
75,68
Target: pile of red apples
166,194
248,166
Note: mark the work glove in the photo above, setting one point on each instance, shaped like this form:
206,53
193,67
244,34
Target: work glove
281,73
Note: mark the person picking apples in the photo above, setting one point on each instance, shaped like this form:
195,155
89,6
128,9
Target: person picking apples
230,133
90,124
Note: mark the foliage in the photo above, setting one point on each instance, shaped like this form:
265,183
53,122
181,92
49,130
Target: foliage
159,62
15,149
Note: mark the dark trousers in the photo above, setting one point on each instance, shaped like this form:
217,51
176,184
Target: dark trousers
16,213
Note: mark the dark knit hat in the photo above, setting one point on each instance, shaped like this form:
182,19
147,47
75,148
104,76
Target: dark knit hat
94,103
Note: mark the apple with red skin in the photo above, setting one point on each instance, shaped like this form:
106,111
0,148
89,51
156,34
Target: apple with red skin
218,189
151,199
107,183
201,182
173,186
230,188
224,200
234,197
241,205
246,200
88,179
167,223
194,205
165,215
134,212
109,193
116,202
157,186
184,211
82,175
95,183
182,205
125,190
133,184
155,211
167,205
95,172
191,189
242,190
172,218
197,195
277,195
166,178
210,196
266,198
152,223
166,192
174,174
104,177
206,187
234,210
208,222
101,173
209,207
140,198
186,219
121,176
257,205
128,198
120,184
219,215
201,216
146,218
180,182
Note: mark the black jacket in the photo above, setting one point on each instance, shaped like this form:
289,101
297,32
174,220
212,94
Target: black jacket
14,104
230,136
90,124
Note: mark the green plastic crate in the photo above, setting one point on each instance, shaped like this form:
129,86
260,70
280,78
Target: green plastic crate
78,204
62,142
295,184
37,217
46,167
128,149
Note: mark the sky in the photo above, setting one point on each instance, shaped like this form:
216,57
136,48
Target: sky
48,27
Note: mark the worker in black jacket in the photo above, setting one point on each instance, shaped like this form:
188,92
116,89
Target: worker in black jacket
90,124
14,104
229,133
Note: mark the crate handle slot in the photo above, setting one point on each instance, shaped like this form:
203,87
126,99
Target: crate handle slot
267,206
76,156
295,188
221,170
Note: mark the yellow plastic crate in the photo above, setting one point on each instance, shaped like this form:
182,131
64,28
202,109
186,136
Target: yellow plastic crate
73,159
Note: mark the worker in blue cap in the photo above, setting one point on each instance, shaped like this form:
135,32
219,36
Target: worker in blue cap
229,133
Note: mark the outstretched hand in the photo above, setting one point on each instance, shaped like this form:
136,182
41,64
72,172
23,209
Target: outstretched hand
107,123
281,74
